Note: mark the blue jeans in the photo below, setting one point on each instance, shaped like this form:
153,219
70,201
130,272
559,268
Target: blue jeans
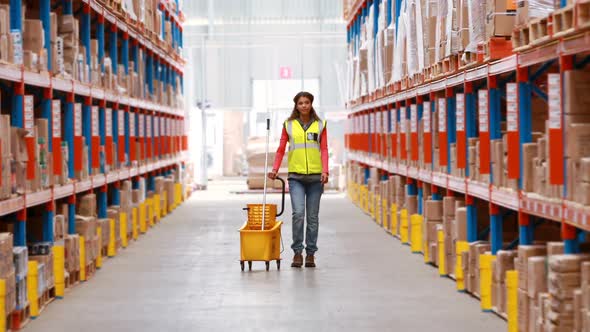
305,201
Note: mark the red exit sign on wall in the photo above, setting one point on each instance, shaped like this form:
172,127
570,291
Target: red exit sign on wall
286,72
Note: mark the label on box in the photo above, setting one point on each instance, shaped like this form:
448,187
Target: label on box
168,127
554,89
511,107
109,122
56,117
483,110
77,119
59,51
162,127
149,126
394,121
94,120
426,116
141,126
403,120
29,119
156,126
414,118
365,124
460,116
17,46
131,124
121,122
371,122
379,126
442,115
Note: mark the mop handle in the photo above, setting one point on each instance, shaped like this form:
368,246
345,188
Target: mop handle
265,171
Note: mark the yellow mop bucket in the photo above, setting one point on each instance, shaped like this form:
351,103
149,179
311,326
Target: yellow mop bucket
261,241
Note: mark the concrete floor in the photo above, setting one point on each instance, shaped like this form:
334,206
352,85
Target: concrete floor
184,275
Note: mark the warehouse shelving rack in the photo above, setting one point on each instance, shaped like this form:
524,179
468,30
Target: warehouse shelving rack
153,129
480,88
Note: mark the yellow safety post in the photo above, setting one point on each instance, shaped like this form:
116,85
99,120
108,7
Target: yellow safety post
393,225
377,207
123,229
442,267
512,300
371,205
32,286
142,224
416,233
99,256
59,270
3,312
485,281
82,259
403,216
150,207
178,195
157,209
384,220
134,231
460,247
112,247
165,203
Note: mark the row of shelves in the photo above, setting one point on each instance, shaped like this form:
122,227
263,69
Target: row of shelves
175,59
578,44
529,203
16,204
44,80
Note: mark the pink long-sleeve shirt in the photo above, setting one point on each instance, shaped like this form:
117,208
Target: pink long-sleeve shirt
283,145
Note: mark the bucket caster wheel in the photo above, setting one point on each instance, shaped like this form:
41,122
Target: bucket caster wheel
278,264
242,265
250,265
267,265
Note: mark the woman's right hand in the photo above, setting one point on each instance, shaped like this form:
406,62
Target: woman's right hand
272,175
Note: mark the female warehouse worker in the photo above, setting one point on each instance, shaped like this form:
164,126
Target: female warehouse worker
308,172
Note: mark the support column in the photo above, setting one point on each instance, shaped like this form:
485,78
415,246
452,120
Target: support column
87,129
471,219
102,202
69,132
525,233
72,215
85,36
420,197
495,228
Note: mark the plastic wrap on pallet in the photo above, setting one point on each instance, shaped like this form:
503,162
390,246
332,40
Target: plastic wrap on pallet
441,29
527,10
477,24
400,53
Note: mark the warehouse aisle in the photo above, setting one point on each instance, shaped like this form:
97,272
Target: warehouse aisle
185,276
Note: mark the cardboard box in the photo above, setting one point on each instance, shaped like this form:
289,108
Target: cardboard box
576,84
498,22
523,310
578,140
412,204
537,276
87,205
461,224
504,262
433,210
529,152
33,36
567,263
524,253
555,248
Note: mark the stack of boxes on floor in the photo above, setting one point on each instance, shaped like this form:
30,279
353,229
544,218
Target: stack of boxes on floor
505,260
8,271
86,227
433,221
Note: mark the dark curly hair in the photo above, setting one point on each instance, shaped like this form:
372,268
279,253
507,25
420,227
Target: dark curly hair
295,114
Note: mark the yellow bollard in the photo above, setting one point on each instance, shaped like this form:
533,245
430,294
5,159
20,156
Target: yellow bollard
393,224
377,207
99,256
142,224
460,247
32,286
384,220
403,216
149,205
416,234
134,213
512,300
157,209
58,270
3,312
112,247
178,195
123,229
485,281
82,259
442,268
164,203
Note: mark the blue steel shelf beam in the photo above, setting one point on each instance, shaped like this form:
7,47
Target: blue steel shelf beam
85,34
87,128
451,122
101,40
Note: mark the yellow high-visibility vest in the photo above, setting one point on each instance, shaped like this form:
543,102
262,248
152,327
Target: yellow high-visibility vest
304,147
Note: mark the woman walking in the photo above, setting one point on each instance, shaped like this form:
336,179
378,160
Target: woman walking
308,172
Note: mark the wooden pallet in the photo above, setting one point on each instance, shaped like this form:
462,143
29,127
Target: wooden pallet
520,38
44,299
563,21
19,318
469,60
582,14
72,279
540,30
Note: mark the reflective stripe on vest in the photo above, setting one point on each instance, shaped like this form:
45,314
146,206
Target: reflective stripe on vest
304,153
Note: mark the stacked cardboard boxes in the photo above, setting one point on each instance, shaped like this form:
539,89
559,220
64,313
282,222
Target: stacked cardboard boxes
472,273
7,270
504,262
433,218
